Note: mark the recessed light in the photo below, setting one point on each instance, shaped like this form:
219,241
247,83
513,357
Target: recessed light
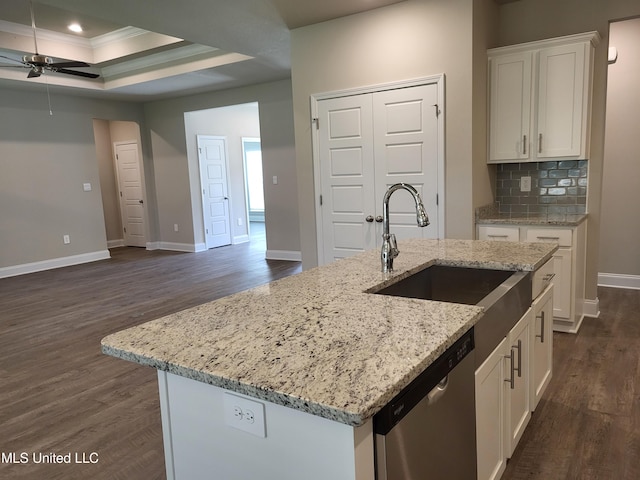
74,27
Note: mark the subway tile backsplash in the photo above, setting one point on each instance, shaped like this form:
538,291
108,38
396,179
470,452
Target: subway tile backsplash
558,187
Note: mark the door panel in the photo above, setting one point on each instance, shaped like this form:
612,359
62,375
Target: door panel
406,150
131,201
346,158
215,201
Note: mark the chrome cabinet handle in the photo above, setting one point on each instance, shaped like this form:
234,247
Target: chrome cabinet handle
540,143
498,236
541,336
369,218
519,347
548,238
379,219
511,381
524,144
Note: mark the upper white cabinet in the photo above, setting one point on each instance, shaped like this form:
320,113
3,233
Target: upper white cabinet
540,99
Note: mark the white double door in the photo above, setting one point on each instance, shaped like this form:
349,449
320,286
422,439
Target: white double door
367,143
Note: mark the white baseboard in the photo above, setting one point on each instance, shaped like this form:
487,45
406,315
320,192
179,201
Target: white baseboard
33,267
288,255
591,308
153,245
241,239
617,280
115,243
177,247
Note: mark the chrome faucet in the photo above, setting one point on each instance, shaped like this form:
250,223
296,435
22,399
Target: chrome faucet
389,245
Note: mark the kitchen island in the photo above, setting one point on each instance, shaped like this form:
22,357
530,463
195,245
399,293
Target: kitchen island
319,354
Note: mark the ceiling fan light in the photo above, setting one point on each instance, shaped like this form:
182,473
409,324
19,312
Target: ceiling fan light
75,27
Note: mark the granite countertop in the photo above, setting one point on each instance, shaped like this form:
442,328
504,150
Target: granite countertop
490,215
316,341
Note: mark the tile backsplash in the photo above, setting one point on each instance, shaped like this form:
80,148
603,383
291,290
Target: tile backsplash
558,187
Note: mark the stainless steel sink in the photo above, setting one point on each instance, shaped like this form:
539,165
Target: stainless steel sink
504,295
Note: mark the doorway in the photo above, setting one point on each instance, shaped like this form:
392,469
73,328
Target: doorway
234,123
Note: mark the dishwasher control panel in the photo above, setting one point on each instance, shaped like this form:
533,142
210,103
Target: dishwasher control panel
419,388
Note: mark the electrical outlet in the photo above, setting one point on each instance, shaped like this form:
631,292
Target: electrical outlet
66,239
245,414
239,222
175,227
525,184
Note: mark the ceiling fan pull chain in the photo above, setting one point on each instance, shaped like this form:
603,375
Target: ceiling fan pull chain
46,81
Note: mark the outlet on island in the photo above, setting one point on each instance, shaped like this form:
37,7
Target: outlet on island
244,414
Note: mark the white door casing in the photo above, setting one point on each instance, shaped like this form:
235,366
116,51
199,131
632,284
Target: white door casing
366,140
212,155
130,193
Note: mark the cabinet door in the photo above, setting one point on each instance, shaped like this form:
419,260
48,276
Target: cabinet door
562,283
510,107
517,379
541,345
490,408
560,101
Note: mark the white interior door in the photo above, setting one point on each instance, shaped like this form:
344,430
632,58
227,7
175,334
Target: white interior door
345,138
131,201
215,190
406,150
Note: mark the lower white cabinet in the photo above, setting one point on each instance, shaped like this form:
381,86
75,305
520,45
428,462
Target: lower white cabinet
541,344
518,381
490,414
568,265
503,399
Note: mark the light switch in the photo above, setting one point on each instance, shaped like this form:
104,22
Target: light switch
86,187
275,179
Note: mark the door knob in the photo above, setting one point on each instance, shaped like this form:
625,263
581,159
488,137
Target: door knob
141,201
369,218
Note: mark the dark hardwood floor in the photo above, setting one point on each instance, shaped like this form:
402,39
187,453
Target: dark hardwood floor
587,425
59,394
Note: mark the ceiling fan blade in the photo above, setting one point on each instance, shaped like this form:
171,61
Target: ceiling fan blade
14,60
76,73
69,64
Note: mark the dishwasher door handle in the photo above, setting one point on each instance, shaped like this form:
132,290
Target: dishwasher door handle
437,392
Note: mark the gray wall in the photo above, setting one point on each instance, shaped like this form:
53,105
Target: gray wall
528,20
174,176
620,225
44,162
412,39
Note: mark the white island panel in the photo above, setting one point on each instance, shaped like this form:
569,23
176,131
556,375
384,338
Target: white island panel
200,445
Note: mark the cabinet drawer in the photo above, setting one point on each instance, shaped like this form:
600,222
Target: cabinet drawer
542,278
562,237
505,234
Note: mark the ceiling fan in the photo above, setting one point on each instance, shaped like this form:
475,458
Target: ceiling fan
38,64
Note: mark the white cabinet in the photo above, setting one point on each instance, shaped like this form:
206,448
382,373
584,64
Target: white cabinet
541,345
540,99
490,414
568,265
518,372
503,399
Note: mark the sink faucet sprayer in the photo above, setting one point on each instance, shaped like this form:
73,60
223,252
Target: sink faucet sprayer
389,244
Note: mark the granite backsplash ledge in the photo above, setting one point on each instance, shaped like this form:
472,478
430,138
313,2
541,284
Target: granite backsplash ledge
557,188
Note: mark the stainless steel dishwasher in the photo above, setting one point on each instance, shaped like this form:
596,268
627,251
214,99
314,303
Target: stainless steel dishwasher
427,432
